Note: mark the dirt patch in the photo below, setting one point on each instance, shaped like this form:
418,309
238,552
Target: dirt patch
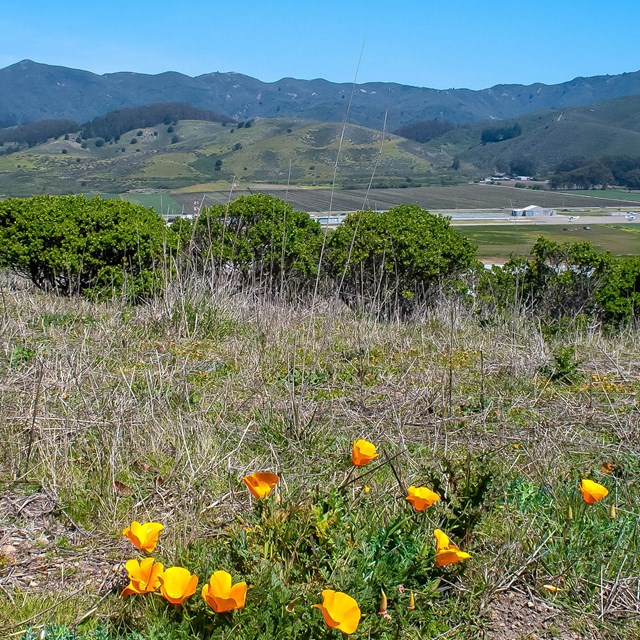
41,550
515,615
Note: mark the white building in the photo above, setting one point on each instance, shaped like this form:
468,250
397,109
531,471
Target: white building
533,210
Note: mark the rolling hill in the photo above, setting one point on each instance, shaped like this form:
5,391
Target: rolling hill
206,155
213,155
548,137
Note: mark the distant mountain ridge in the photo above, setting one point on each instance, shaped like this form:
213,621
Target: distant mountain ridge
31,91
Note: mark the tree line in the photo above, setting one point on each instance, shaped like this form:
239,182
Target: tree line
108,127
425,130
37,132
115,123
390,264
586,173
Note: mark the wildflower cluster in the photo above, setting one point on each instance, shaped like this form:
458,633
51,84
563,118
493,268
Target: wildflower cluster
339,610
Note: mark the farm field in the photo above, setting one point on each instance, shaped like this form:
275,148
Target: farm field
614,194
460,197
499,241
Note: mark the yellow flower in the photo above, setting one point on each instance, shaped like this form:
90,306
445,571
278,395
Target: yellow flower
363,452
421,498
143,576
177,584
592,492
221,596
340,611
446,552
261,483
144,536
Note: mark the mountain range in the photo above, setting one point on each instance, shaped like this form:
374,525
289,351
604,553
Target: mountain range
31,91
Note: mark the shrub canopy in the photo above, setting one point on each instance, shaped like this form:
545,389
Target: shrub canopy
75,245
260,239
393,260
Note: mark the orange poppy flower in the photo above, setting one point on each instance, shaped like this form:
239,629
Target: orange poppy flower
446,552
221,596
143,576
261,483
363,452
144,536
421,498
177,584
340,611
592,492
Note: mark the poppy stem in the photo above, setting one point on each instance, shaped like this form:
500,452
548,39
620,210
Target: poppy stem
346,478
370,469
389,461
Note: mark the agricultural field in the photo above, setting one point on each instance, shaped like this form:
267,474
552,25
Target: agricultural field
465,197
500,241
614,194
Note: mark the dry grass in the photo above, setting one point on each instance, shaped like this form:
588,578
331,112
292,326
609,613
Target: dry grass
111,413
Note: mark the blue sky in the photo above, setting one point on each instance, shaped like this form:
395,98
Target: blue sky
431,43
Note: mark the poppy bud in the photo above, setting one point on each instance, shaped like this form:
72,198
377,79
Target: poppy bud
612,511
570,514
412,602
383,605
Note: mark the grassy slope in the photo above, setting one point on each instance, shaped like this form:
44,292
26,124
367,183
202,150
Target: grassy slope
262,153
498,241
176,401
606,128
304,153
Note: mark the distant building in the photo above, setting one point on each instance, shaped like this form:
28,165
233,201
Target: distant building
533,210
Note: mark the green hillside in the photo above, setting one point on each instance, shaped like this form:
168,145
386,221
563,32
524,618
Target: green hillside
212,154
607,128
208,156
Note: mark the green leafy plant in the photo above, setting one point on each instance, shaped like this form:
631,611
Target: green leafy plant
73,245
260,240
393,261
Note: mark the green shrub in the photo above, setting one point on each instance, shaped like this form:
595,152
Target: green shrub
74,245
618,298
260,240
566,284
394,260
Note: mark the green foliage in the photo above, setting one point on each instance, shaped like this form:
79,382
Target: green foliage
288,553
565,281
61,632
425,130
564,366
584,173
591,175
619,296
20,355
498,134
72,245
393,261
261,240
